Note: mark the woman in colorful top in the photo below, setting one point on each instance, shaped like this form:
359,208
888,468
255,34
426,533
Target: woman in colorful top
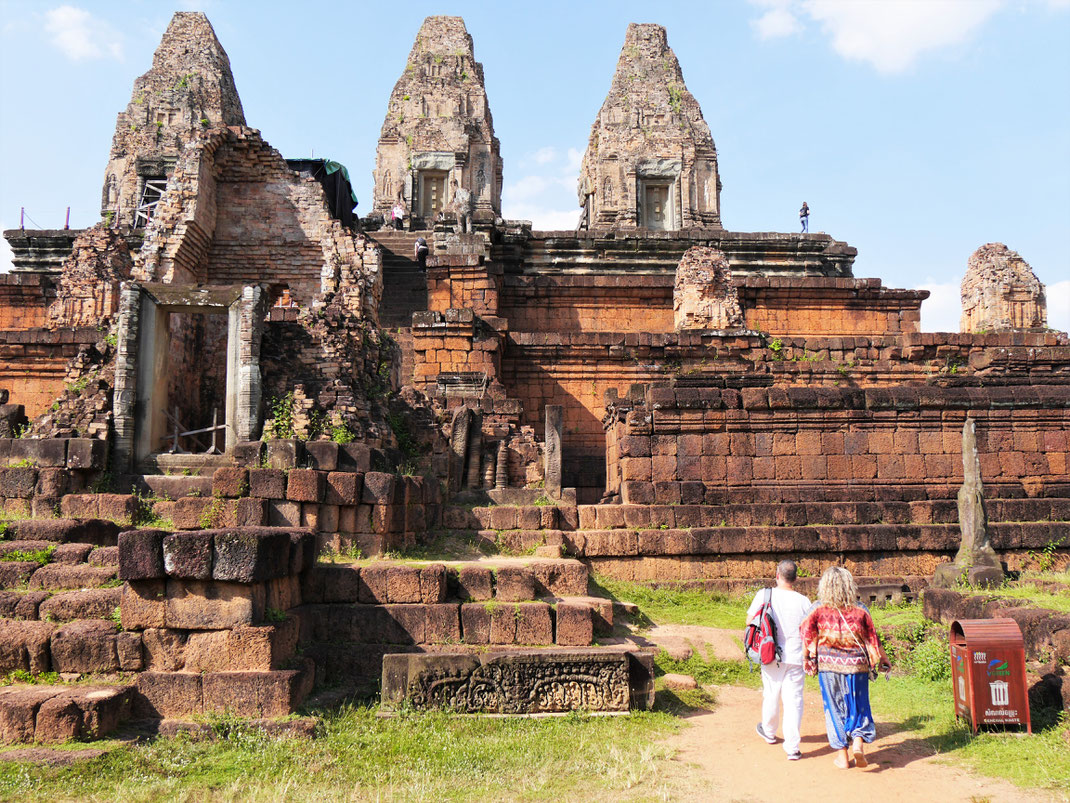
841,646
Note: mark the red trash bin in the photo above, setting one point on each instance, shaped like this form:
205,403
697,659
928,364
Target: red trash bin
988,672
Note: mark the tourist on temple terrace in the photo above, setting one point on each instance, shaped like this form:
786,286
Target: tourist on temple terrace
804,217
783,680
842,648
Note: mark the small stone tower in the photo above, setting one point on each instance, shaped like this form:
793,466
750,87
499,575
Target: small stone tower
189,88
438,135
651,161
1001,292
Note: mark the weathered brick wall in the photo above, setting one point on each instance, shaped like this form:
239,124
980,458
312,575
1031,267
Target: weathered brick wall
588,303
463,282
453,342
828,306
789,306
575,370
24,300
235,213
777,444
197,369
33,364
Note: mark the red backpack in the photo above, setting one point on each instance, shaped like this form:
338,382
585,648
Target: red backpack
759,639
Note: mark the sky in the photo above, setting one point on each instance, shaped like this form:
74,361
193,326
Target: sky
916,130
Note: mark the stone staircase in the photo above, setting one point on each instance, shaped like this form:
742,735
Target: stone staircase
404,290
59,610
740,542
203,623
354,614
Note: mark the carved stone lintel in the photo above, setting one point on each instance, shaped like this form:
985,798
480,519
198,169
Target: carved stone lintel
523,682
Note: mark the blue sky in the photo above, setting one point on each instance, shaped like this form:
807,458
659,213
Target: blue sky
917,130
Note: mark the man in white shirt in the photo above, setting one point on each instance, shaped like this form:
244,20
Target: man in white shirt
783,681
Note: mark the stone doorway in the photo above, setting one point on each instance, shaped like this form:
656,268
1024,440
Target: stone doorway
656,210
432,193
191,352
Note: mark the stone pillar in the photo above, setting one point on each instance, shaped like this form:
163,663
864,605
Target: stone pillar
976,561
475,453
125,399
244,386
554,421
462,421
501,470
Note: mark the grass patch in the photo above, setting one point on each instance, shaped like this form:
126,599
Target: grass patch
1040,597
359,756
679,605
31,556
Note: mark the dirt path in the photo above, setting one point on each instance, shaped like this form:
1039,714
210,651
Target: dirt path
726,760
730,762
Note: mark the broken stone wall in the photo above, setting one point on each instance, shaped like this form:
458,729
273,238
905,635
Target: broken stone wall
704,296
1000,292
88,293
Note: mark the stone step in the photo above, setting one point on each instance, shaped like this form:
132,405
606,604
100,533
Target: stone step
821,540
501,579
274,693
565,621
60,531
175,487
606,517
52,714
185,464
60,576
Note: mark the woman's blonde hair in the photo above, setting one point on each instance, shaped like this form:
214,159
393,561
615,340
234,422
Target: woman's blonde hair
837,588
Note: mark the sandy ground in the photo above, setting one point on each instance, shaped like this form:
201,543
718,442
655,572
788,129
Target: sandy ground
726,760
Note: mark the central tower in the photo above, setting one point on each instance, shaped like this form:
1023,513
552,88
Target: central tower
438,135
651,162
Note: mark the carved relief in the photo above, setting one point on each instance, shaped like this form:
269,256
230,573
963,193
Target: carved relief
525,684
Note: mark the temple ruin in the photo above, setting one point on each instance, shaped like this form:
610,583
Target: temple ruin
232,375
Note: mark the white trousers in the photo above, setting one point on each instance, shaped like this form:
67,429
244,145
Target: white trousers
783,682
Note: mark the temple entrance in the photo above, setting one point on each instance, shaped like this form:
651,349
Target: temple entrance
655,211
189,377
432,192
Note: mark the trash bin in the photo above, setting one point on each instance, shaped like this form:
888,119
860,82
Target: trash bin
988,673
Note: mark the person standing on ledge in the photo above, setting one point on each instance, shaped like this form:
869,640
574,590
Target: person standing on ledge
804,218
783,681
421,250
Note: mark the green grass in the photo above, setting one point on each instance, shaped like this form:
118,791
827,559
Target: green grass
360,756
32,556
678,605
1041,598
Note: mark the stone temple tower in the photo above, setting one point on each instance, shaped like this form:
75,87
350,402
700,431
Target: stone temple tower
1001,292
651,161
438,129
189,88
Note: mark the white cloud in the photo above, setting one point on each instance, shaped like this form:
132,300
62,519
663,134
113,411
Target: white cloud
79,35
1058,295
890,35
545,155
776,22
942,310
572,164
